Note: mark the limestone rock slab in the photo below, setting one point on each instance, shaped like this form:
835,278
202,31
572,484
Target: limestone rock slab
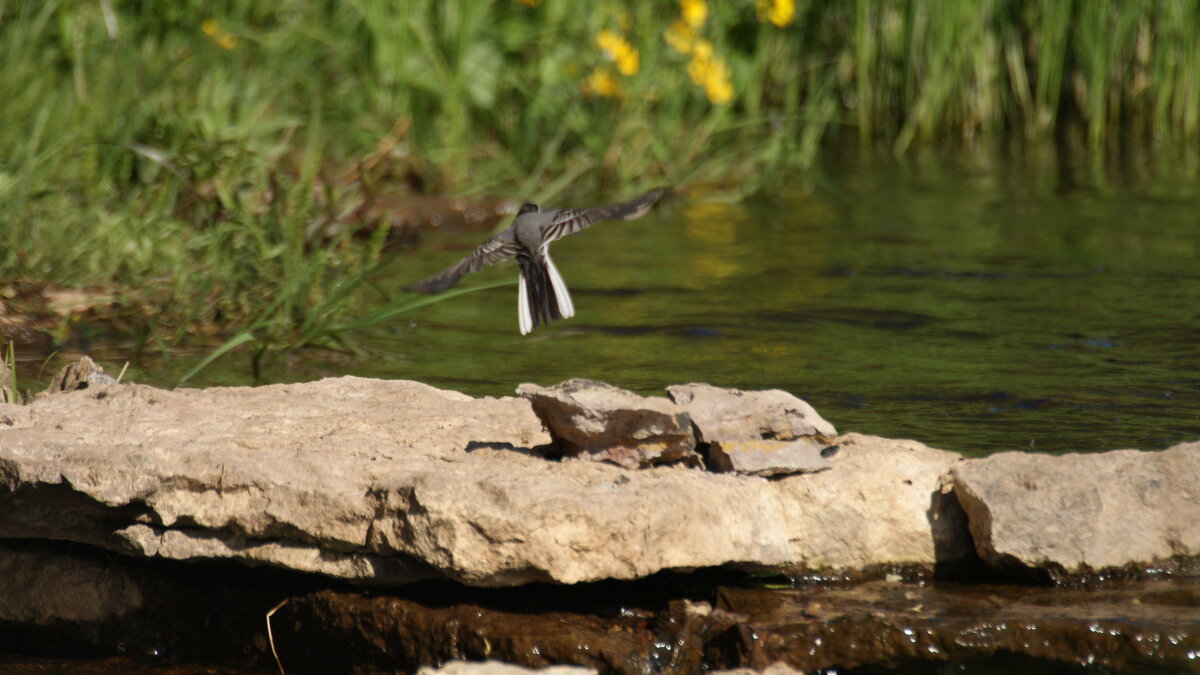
734,415
1083,512
595,420
388,482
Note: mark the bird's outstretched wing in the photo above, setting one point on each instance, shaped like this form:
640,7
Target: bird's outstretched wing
570,221
495,250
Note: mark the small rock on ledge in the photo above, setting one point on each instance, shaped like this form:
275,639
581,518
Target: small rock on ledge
78,375
768,458
735,415
598,421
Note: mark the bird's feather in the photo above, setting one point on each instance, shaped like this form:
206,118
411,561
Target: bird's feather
524,320
565,307
491,252
570,221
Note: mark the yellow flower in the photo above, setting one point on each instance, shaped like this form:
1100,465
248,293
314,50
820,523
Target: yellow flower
618,50
628,63
680,36
701,62
709,72
601,82
694,12
778,12
717,85
212,30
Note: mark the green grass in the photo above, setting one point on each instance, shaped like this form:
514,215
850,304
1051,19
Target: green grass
9,392
198,158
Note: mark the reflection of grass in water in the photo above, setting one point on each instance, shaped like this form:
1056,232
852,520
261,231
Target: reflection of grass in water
186,154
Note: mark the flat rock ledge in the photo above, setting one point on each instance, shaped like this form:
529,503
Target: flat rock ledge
389,482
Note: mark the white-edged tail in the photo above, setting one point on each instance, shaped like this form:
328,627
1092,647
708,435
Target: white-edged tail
565,306
524,318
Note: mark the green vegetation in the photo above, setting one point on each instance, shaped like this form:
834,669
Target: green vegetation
9,393
202,161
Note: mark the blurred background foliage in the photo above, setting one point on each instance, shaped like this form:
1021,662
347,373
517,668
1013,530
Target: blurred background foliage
201,161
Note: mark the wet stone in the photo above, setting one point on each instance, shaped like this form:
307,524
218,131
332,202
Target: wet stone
595,420
1133,626
501,668
71,599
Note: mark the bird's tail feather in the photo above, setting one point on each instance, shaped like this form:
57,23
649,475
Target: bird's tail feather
565,307
524,319
540,300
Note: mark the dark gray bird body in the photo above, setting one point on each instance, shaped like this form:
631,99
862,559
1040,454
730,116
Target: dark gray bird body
542,296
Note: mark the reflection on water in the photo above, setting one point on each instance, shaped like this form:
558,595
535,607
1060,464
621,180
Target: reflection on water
974,306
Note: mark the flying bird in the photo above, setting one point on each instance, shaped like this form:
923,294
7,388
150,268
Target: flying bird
542,296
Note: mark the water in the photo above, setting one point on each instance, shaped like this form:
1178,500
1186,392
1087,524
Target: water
976,304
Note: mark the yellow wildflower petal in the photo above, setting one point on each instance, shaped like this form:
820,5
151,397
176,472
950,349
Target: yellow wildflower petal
703,49
778,12
210,27
717,86
608,40
680,36
627,62
698,69
782,12
602,82
227,41
694,12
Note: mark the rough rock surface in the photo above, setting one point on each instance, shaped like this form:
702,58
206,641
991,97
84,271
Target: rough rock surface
594,420
388,482
768,458
1083,512
78,375
734,415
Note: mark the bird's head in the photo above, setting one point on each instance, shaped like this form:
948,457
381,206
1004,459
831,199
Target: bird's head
528,208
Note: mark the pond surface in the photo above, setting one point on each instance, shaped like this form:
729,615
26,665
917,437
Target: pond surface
976,304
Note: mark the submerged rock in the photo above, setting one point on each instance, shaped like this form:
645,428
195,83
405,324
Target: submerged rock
734,415
594,420
1145,627
500,668
62,599
768,458
1082,513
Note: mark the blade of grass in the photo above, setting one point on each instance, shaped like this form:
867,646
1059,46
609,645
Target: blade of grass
231,344
401,308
